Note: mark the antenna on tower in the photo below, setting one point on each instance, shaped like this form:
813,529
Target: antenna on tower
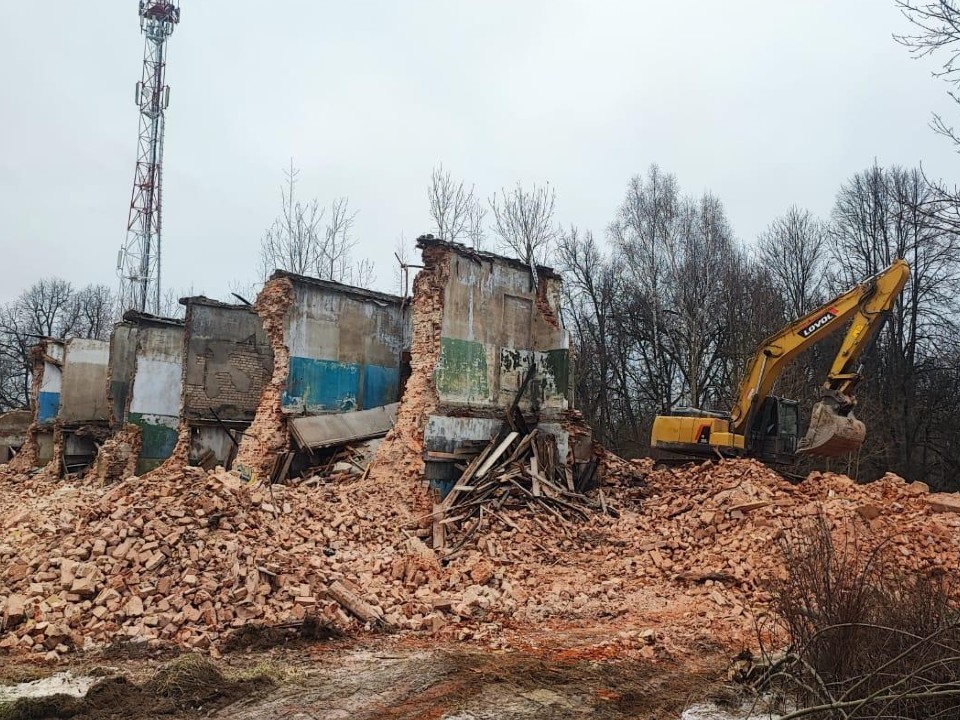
139,260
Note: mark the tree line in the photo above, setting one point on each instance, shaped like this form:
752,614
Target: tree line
666,306
667,309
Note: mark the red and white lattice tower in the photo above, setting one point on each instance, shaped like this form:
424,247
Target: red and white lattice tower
139,260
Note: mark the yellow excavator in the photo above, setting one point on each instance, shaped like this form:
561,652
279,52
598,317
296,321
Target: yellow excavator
764,426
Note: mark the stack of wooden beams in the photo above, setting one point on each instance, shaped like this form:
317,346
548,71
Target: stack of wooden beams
514,471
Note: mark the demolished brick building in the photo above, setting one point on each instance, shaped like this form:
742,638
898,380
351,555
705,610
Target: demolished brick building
338,349
229,383
496,320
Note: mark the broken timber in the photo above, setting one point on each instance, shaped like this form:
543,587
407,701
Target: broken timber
512,472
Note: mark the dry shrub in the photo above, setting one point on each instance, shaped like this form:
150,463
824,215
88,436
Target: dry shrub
868,639
191,676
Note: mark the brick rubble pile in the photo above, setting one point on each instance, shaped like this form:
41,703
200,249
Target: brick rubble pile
187,557
683,559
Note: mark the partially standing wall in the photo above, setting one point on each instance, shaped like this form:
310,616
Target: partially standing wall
123,356
14,427
498,319
48,362
227,362
147,370
345,344
84,414
336,349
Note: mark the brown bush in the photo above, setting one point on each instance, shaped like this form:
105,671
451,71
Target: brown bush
867,639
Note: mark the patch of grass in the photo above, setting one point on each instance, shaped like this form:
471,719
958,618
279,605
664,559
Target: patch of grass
14,674
275,672
191,677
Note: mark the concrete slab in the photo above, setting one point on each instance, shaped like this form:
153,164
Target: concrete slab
321,431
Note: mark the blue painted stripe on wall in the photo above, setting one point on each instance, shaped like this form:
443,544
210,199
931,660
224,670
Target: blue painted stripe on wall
48,405
330,386
381,385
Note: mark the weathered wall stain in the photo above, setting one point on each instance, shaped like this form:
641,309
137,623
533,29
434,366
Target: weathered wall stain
83,396
495,324
146,379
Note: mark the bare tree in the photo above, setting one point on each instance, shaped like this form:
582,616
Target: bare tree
95,310
450,204
300,241
937,24
333,261
293,241
699,256
876,219
793,249
246,290
523,220
476,225
170,306
646,219
590,289
361,274
45,309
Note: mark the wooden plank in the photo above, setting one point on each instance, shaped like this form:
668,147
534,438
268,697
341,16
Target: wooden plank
437,455
468,474
501,449
519,450
438,527
353,603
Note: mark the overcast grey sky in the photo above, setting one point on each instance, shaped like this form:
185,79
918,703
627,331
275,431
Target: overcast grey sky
766,103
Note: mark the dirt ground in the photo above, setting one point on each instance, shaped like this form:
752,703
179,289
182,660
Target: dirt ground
379,676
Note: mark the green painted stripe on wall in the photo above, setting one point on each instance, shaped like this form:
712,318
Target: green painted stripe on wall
461,371
158,439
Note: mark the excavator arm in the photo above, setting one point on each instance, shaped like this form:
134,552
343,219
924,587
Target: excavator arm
833,429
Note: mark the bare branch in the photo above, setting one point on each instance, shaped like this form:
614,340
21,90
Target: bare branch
523,220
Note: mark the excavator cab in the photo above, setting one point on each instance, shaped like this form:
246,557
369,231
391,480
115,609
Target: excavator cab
772,433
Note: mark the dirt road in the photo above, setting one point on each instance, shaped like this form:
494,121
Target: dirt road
380,678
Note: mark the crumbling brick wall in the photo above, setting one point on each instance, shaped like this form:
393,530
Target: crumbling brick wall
490,321
401,453
267,435
228,361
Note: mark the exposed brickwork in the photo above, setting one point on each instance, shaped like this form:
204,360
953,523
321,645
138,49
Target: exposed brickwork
244,362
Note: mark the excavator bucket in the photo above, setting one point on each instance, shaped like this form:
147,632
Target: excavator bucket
830,434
